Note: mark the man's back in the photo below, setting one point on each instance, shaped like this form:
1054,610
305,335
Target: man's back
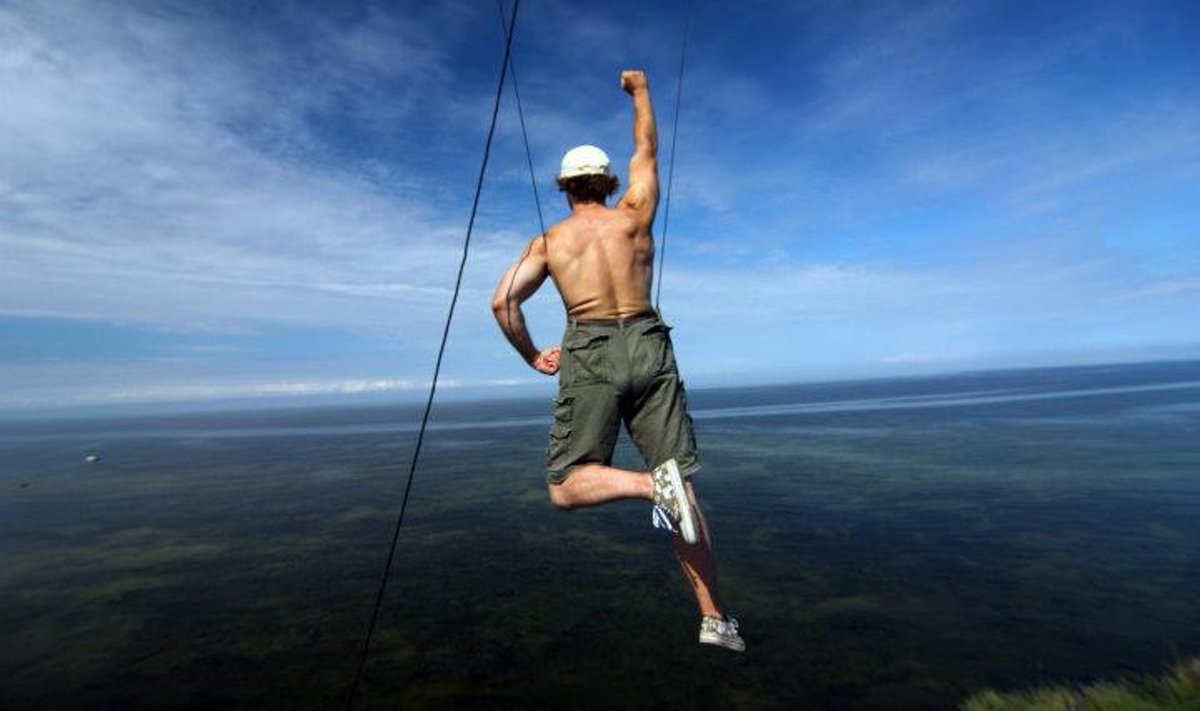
602,262
601,259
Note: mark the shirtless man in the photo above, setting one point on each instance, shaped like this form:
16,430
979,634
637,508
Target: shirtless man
616,363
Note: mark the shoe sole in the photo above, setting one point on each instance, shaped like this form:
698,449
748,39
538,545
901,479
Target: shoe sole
687,520
737,645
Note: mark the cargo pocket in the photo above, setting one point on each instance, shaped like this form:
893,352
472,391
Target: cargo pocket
659,355
560,434
584,361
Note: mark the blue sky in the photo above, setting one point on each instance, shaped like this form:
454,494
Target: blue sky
241,200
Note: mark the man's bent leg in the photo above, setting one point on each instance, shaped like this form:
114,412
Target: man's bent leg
595,484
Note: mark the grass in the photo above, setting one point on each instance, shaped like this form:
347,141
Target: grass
1177,690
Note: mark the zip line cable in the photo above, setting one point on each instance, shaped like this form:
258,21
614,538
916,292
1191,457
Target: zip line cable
512,68
537,200
662,254
412,469
508,67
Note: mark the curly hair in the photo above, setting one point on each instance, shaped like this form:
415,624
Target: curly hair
589,188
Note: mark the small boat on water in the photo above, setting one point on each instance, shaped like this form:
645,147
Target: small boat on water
92,458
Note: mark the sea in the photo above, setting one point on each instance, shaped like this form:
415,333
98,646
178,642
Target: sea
897,543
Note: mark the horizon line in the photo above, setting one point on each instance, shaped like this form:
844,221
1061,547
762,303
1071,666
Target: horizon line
459,392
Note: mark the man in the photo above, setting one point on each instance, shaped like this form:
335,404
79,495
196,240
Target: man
616,362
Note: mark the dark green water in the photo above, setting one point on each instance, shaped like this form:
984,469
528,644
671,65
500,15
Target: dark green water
887,545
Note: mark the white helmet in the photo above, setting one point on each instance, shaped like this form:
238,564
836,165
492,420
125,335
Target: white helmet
585,160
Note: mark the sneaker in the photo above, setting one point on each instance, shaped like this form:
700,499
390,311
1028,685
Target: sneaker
722,632
672,509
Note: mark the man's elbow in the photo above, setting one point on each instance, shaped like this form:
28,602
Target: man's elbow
502,306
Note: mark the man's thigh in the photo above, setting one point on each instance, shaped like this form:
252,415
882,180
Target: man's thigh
587,420
662,428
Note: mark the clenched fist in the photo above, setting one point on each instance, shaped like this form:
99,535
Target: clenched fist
547,360
633,79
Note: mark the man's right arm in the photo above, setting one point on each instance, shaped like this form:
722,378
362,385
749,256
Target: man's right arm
519,283
642,194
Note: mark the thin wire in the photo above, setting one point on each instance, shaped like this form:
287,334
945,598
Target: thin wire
662,252
412,469
512,68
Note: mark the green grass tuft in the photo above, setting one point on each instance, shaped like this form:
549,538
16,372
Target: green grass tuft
1178,690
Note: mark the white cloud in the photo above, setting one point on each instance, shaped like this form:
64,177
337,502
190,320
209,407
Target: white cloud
830,317
166,166
131,191
1163,288
927,358
50,385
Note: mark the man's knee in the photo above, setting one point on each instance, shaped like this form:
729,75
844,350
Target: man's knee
559,497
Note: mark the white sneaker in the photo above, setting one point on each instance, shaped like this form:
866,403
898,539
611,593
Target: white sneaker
722,632
672,509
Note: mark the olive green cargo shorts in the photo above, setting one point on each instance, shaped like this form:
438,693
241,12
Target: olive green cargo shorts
614,372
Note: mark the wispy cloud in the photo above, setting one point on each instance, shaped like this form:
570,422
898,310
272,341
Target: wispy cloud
46,387
927,107
876,184
156,172
809,318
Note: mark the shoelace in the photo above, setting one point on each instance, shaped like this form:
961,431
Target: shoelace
660,517
727,627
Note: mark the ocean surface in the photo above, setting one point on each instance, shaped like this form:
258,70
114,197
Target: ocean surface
886,544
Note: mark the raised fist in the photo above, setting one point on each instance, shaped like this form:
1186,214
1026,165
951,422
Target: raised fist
632,80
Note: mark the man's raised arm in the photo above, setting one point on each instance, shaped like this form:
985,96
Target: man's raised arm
642,194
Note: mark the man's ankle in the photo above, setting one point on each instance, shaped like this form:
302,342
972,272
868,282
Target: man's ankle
647,486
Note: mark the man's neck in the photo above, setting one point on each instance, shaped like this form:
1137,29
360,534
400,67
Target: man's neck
582,208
